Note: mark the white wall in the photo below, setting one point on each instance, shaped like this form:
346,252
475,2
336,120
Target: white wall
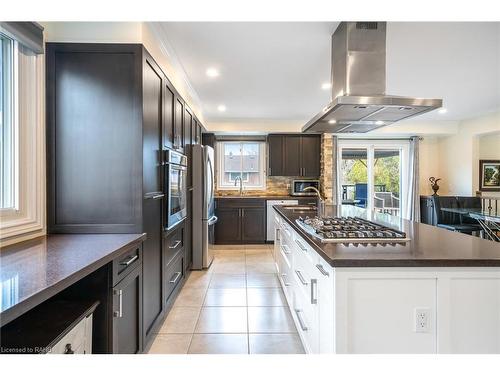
459,154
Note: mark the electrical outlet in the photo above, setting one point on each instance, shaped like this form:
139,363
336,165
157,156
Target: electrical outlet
422,320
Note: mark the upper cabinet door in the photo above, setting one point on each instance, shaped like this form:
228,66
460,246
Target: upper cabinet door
188,121
168,115
275,155
311,155
179,124
292,158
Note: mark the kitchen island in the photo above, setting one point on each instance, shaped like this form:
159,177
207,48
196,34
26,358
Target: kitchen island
439,292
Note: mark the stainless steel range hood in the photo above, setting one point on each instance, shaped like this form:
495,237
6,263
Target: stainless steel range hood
360,103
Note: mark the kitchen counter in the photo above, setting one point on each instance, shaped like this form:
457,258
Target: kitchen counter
33,271
428,246
267,197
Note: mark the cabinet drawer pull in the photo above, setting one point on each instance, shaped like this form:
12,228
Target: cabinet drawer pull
322,270
129,261
119,313
68,349
303,326
301,246
283,278
284,249
177,243
301,278
314,292
175,278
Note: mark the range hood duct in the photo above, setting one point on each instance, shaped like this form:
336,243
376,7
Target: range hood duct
360,103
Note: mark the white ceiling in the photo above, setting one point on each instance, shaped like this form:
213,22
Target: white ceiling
274,71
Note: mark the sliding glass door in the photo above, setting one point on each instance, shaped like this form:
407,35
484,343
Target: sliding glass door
374,174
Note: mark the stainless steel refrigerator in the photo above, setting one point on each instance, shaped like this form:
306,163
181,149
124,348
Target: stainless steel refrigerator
204,218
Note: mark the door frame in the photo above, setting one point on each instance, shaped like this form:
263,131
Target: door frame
370,145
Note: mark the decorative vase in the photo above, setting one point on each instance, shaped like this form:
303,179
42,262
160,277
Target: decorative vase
434,184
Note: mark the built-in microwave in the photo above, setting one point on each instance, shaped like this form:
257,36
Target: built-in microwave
298,186
176,188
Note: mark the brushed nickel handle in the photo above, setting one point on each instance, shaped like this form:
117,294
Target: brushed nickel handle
301,246
283,248
322,270
130,261
177,275
303,326
177,243
158,196
301,278
283,278
314,292
119,313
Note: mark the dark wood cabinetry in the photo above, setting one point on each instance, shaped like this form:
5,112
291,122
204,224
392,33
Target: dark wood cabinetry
240,221
179,124
310,155
427,212
168,115
275,155
127,314
294,155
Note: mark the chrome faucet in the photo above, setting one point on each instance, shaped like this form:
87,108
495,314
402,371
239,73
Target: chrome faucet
241,184
321,200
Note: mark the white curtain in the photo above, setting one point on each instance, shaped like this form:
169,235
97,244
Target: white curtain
336,171
413,198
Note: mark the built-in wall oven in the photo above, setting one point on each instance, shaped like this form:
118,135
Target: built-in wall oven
176,188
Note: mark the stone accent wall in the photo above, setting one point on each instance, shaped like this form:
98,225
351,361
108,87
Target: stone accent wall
326,179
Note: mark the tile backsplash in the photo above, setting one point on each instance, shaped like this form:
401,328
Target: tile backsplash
274,186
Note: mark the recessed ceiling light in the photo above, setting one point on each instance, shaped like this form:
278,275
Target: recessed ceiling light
221,108
443,111
379,122
332,121
326,86
212,72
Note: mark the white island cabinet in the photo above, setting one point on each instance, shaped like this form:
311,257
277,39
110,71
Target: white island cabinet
387,309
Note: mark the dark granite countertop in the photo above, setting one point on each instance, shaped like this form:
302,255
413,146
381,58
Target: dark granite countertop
429,246
35,270
266,197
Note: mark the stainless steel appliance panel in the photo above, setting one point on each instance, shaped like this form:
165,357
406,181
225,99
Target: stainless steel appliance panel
176,188
203,206
298,186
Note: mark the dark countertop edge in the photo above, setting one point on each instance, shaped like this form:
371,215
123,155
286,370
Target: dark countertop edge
41,296
353,263
266,197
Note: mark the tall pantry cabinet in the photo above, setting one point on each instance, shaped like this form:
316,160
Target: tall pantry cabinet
105,122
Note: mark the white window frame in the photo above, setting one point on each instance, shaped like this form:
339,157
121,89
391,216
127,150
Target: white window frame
27,218
220,167
370,145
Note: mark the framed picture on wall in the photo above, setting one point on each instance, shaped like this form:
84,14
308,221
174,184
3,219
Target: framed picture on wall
489,175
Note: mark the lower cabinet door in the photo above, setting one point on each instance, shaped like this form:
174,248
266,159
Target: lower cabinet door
253,225
306,319
228,226
127,314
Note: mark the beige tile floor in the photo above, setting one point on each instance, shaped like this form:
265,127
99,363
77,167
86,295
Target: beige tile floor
235,307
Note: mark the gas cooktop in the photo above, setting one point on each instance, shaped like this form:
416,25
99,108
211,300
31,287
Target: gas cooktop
351,230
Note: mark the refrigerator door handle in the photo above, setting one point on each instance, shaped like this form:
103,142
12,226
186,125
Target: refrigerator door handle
212,220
